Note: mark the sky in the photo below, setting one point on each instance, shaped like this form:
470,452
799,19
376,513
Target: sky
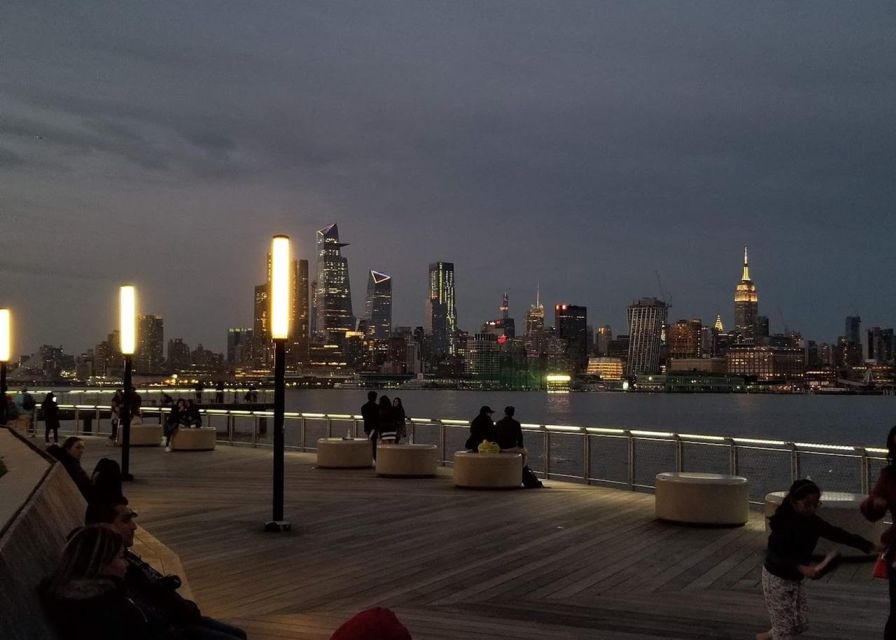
600,151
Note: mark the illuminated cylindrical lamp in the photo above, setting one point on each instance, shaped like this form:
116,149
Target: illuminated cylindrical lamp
127,336
280,320
5,355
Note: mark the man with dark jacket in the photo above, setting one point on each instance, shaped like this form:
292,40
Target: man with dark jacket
481,428
154,594
509,432
370,411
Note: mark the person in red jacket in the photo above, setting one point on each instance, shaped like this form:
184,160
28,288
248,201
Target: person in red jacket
875,507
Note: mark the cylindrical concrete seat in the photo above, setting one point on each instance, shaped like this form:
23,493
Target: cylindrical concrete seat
407,460
142,435
202,439
702,498
488,470
338,453
839,509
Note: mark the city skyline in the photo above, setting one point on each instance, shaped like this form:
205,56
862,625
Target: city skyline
606,153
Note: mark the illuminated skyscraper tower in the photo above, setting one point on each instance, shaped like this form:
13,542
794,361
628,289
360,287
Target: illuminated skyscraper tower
378,306
333,295
441,313
646,319
746,305
535,315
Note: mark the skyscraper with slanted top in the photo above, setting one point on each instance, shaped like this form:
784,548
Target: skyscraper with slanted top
333,295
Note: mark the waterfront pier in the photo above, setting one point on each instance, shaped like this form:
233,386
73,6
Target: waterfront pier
571,561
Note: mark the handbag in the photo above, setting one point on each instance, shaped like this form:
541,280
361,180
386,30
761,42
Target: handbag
881,568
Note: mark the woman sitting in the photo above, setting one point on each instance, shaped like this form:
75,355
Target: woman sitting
86,596
69,454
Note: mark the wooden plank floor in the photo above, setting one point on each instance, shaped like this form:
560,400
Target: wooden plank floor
566,562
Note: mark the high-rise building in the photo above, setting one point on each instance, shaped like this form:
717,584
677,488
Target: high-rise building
746,305
378,306
238,345
683,339
333,295
880,345
646,319
535,315
852,341
602,338
571,324
150,356
440,321
178,355
300,327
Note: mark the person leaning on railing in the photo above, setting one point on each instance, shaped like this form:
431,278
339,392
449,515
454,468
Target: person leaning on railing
875,507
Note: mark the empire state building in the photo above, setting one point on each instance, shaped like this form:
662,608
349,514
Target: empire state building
746,305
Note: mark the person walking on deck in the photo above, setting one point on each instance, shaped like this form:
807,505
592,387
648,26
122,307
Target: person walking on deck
370,412
795,530
115,407
51,417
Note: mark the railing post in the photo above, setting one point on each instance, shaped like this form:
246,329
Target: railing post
586,453
230,426
255,424
302,433
865,466
794,462
77,429
329,427
679,453
733,461
631,459
546,453
443,441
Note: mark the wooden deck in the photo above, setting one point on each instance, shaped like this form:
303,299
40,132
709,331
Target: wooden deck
565,562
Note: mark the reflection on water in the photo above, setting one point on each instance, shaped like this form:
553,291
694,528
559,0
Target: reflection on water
856,420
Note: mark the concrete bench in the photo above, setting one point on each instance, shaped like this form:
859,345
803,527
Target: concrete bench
407,460
142,435
839,509
202,439
488,470
702,498
339,453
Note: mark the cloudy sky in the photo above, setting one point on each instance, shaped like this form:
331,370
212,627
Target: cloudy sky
585,146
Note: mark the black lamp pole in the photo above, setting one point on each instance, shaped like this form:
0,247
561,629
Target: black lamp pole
125,421
278,523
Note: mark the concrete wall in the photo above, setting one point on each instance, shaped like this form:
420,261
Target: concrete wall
51,506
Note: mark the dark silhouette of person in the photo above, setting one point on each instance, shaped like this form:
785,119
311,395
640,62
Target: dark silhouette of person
482,428
386,429
370,412
51,417
106,483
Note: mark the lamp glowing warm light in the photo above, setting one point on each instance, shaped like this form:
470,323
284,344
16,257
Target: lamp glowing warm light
128,319
280,288
5,335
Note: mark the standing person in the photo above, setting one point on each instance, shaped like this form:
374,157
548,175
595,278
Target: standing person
482,428
219,392
795,530
136,407
386,428
370,412
115,407
25,402
875,507
51,417
401,420
69,454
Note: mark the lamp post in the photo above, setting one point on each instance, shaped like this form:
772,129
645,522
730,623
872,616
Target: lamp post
5,353
127,315
280,305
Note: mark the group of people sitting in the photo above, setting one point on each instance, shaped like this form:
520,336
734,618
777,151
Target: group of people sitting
100,588
184,414
505,436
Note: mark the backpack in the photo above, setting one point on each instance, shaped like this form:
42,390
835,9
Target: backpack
530,480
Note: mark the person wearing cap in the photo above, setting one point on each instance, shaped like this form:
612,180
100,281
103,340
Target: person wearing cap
482,428
509,434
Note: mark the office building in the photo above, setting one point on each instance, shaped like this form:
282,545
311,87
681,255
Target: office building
150,356
535,315
239,345
378,306
746,305
571,326
333,297
683,339
179,357
440,321
852,341
646,319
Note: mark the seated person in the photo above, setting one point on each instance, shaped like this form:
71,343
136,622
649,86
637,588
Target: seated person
192,417
175,418
509,434
86,596
482,428
156,595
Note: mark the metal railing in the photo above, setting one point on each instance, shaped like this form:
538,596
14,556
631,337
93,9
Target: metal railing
592,455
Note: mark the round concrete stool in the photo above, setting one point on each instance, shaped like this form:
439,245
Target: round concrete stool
702,498
338,453
488,470
407,460
839,509
202,439
143,435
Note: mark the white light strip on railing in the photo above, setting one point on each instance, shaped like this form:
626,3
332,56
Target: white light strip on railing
340,416
266,414
292,414
529,425
216,412
696,436
776,443
607,430
357,417
313,415
875,450
240,412
87,406
831,447
415,420
562,427
459,422
652,434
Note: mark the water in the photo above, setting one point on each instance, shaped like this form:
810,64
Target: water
851,420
